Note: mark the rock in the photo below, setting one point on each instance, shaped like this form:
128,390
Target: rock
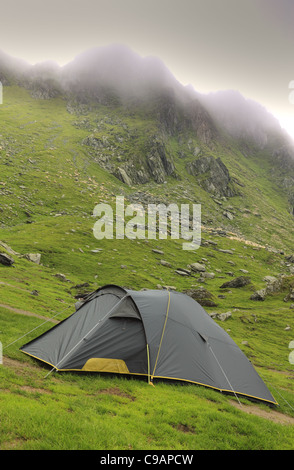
159,252
198,267
165,263
224,316
259,295
240,281
183,272
6,260
289,296
61,277
122,175
159,165
34,257
244,271
269,279
273,286
290,258
213,314
228,215
230,252
212,175
202,296
9,249
208,275
292,306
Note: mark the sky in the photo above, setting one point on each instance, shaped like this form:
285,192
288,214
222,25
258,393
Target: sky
244,45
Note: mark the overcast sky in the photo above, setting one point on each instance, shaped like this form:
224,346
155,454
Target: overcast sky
245,45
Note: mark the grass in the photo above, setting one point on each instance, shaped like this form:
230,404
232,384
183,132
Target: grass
102,412
90,412
49,185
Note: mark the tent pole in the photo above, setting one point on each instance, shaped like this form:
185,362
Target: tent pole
50,372
162,334
150,379
224,374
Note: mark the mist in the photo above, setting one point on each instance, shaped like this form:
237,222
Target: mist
241,117
116,69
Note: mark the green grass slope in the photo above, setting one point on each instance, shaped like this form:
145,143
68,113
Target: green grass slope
49,186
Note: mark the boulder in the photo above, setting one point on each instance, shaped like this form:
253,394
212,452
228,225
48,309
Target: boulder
34,257
8,249
228,215
198,267
224,316
208,275
182,272
202,296
259,295
240,281
165,263
6,260
158,252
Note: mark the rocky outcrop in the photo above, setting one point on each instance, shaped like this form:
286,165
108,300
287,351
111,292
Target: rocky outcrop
276,285
176,116
212,175
199,121
151,163
158,164
122,175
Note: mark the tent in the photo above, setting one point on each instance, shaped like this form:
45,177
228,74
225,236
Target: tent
152,333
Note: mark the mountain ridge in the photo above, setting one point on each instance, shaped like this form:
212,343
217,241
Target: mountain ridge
167,135
118,67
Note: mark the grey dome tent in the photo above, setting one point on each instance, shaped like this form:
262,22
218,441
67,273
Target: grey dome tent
152,333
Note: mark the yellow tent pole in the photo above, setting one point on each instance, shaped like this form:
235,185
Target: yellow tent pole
163,330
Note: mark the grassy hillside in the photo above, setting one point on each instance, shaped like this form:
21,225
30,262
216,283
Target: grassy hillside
50,182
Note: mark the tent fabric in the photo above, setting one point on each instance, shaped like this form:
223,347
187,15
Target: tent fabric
154,333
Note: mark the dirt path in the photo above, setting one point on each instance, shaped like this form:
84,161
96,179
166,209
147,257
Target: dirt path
270,414
25,312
